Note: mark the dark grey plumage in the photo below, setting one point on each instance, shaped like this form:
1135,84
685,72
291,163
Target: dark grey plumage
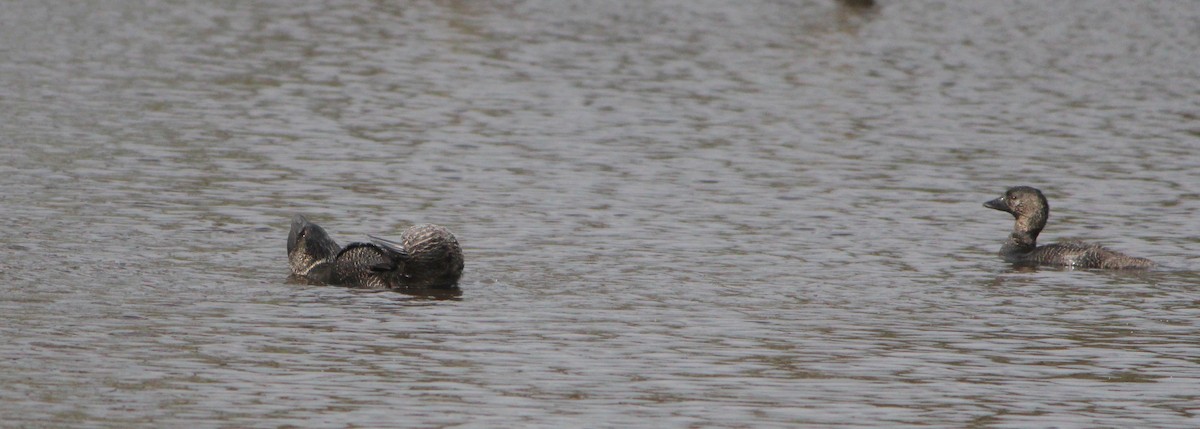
427,257
310,251
368,266
1031,211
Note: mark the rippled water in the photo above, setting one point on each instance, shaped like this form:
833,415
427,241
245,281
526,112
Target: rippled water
674,213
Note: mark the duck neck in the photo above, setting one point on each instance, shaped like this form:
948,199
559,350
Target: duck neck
1019,243
1024,236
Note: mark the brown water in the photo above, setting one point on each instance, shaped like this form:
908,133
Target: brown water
674,213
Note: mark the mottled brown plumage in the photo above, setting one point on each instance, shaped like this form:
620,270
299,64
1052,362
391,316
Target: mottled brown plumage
1031,211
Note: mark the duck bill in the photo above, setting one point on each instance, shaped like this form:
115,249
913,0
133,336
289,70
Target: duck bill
997,204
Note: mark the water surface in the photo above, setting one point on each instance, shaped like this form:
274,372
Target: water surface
674,213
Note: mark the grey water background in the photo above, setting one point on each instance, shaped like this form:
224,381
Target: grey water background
674,213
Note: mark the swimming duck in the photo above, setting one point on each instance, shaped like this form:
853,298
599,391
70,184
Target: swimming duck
1031,210
426,257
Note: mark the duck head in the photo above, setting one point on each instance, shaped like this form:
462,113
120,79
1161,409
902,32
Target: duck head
310,249
1028,206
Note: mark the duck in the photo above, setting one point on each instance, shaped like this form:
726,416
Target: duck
427,256
1031,210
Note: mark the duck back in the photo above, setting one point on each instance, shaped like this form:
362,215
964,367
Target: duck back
366,265
1078,254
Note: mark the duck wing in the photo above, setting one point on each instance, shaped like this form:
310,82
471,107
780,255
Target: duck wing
397,249
362,257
